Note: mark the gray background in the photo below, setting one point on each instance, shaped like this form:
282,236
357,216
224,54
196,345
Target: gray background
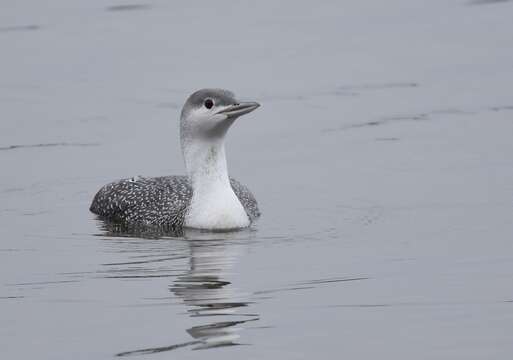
381,158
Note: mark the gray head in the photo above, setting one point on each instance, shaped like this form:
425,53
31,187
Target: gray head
208,113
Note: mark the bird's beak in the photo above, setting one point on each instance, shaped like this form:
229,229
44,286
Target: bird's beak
236,110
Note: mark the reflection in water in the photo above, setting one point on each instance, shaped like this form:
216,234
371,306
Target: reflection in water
203,286
199,266
204,290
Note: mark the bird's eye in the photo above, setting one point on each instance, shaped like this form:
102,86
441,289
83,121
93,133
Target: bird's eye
209,103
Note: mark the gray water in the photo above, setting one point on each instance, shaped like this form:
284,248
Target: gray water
382,160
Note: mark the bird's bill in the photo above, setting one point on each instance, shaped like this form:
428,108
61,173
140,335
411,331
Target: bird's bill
236,110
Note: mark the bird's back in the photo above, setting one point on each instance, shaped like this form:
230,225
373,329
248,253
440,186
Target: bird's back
158,201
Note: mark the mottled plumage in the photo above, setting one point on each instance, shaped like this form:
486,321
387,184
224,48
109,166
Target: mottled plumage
159,201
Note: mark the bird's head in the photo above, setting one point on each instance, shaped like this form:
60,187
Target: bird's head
209,113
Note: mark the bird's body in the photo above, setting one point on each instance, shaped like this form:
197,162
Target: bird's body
158,201
206,198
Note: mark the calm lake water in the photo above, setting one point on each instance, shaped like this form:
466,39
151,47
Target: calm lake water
382,160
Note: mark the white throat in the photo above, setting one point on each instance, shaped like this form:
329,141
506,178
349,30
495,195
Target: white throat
214,205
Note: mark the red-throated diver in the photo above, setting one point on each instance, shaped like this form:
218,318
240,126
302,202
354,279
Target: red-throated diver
204,199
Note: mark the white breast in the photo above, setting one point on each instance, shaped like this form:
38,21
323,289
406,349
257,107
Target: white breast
217,209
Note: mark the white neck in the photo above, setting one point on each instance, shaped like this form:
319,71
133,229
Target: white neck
214,205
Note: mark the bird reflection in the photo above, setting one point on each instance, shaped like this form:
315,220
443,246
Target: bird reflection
210,298
207,294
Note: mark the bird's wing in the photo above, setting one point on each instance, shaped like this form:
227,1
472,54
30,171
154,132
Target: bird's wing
145,201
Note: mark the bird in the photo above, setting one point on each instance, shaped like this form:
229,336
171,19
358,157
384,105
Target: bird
206,197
